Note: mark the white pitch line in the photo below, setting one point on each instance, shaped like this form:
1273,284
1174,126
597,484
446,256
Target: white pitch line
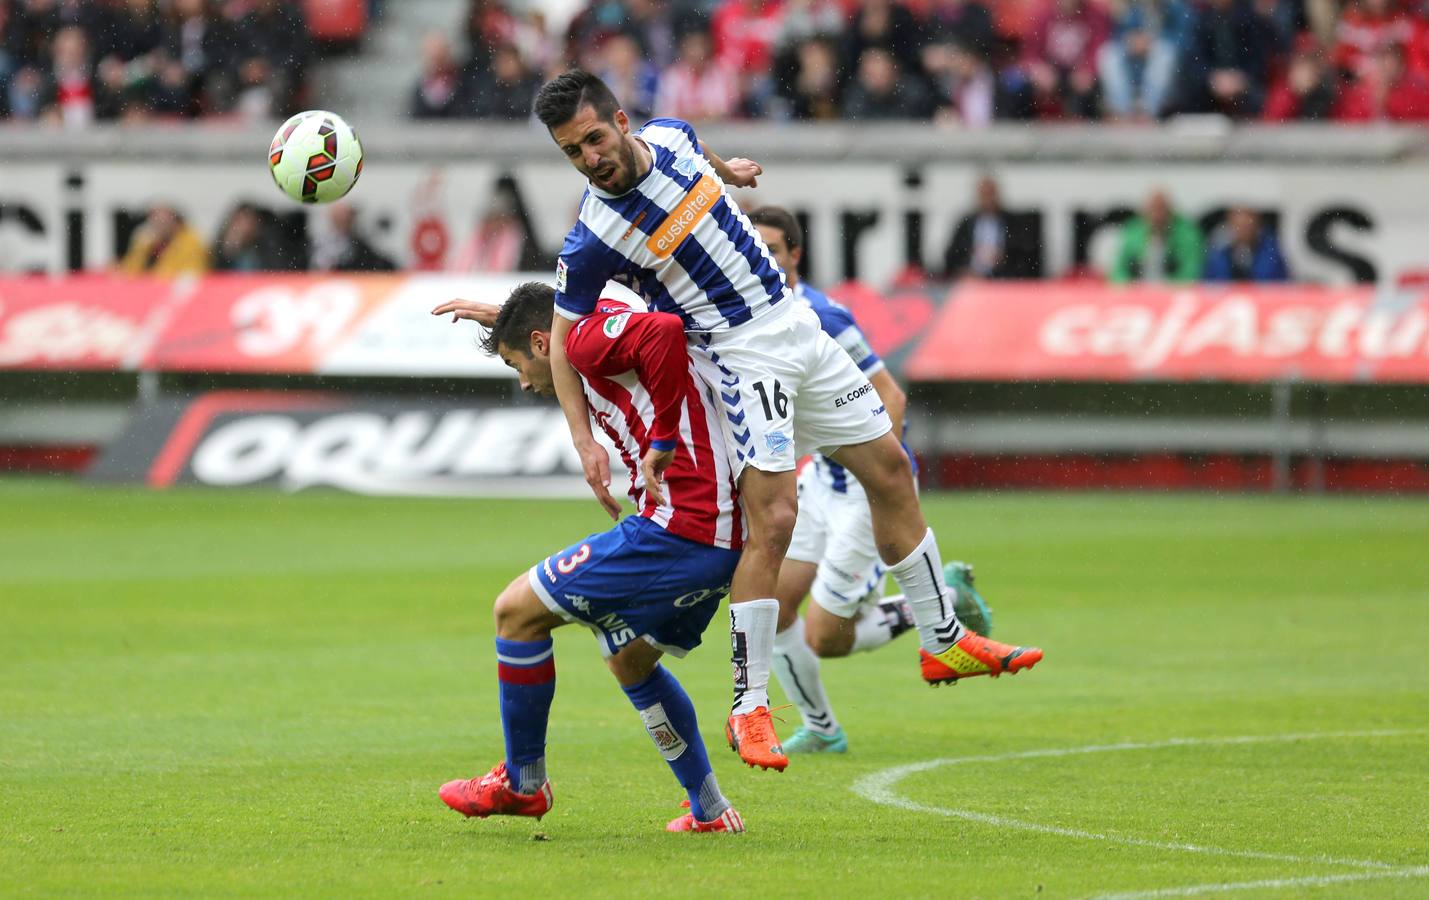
879,788
1310,881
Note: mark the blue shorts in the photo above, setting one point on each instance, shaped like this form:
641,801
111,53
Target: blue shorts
637,580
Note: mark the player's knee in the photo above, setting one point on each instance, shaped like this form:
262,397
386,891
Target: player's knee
775,526
512,613
892,471
829,644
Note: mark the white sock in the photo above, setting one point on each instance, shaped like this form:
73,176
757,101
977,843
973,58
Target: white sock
797,669
921,577
871,631
751,635
877,625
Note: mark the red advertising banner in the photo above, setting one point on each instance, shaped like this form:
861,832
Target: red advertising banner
1039,332
86,322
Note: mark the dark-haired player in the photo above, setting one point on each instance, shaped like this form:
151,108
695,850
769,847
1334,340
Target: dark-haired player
646,587
657,216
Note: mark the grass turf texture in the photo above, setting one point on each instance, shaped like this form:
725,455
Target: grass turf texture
245,693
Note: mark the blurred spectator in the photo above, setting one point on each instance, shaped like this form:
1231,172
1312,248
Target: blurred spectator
436,94
813,91
246,243
1060,57
1307,91
1365,28
510,90
1388,91
7,62
885,25
203,44
882,92
1158,246
1226,60
341,247
168,93
1138,64
966,86
633,80
497,243
489,26
1247,252
273,51
993,242
803,20
697,87
965,23
164,245
649,22
69,93
136,33
744,32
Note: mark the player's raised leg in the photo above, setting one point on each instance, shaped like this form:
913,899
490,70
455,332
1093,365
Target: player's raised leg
669,718
526,674
907,545
795,664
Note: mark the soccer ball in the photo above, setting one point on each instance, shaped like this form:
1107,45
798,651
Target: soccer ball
315,157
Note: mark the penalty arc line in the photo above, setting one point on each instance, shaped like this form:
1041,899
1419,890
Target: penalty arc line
879,788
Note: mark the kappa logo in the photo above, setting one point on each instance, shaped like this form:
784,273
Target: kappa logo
579,602
683,218
687,167
561,272
777,441
615,325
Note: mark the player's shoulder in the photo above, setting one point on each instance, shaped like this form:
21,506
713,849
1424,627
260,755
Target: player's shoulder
675,134
832,314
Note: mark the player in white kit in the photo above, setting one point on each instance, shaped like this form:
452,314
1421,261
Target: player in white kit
832,556
658,218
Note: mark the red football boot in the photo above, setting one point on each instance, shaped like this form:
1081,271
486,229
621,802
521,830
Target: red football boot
975,655
752,736
727,821
492,795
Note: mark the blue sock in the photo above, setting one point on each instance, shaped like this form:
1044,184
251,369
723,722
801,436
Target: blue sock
669,716
526,671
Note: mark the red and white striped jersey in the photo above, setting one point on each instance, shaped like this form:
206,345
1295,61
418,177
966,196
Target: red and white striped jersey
643,392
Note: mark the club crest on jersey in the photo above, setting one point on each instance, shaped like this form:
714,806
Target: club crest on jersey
683,218
686,167
615,325
561,275
777,441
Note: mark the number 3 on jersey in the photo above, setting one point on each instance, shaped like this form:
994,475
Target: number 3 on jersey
568,565
780,405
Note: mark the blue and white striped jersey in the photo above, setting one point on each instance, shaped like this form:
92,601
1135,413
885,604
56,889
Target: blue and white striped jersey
677,238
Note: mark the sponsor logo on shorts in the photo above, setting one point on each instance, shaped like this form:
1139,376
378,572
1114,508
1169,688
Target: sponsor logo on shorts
777,441
695,598
851,396
615,325
616,630
680,222
546,565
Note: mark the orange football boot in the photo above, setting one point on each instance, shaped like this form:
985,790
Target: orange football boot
492,795
752,736
727,821
973,655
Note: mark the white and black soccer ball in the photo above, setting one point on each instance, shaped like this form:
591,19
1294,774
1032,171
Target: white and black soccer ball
315,157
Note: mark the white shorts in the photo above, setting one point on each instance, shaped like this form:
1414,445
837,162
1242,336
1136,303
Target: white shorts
787,389
835,531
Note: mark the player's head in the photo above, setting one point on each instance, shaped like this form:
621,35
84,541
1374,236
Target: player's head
785,238
587,123
521,336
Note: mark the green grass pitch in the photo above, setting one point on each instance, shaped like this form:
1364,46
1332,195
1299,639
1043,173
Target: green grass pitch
252,694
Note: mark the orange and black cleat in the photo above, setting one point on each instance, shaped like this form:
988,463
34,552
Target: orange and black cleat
752,736
974,655
492,795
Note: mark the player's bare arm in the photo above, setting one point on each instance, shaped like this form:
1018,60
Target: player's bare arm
736,171
483,314
594,460
892,396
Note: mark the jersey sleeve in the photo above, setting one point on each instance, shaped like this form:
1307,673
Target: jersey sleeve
582,270
616,340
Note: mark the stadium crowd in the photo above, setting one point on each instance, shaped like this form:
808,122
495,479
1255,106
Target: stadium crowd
970,62
75,62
